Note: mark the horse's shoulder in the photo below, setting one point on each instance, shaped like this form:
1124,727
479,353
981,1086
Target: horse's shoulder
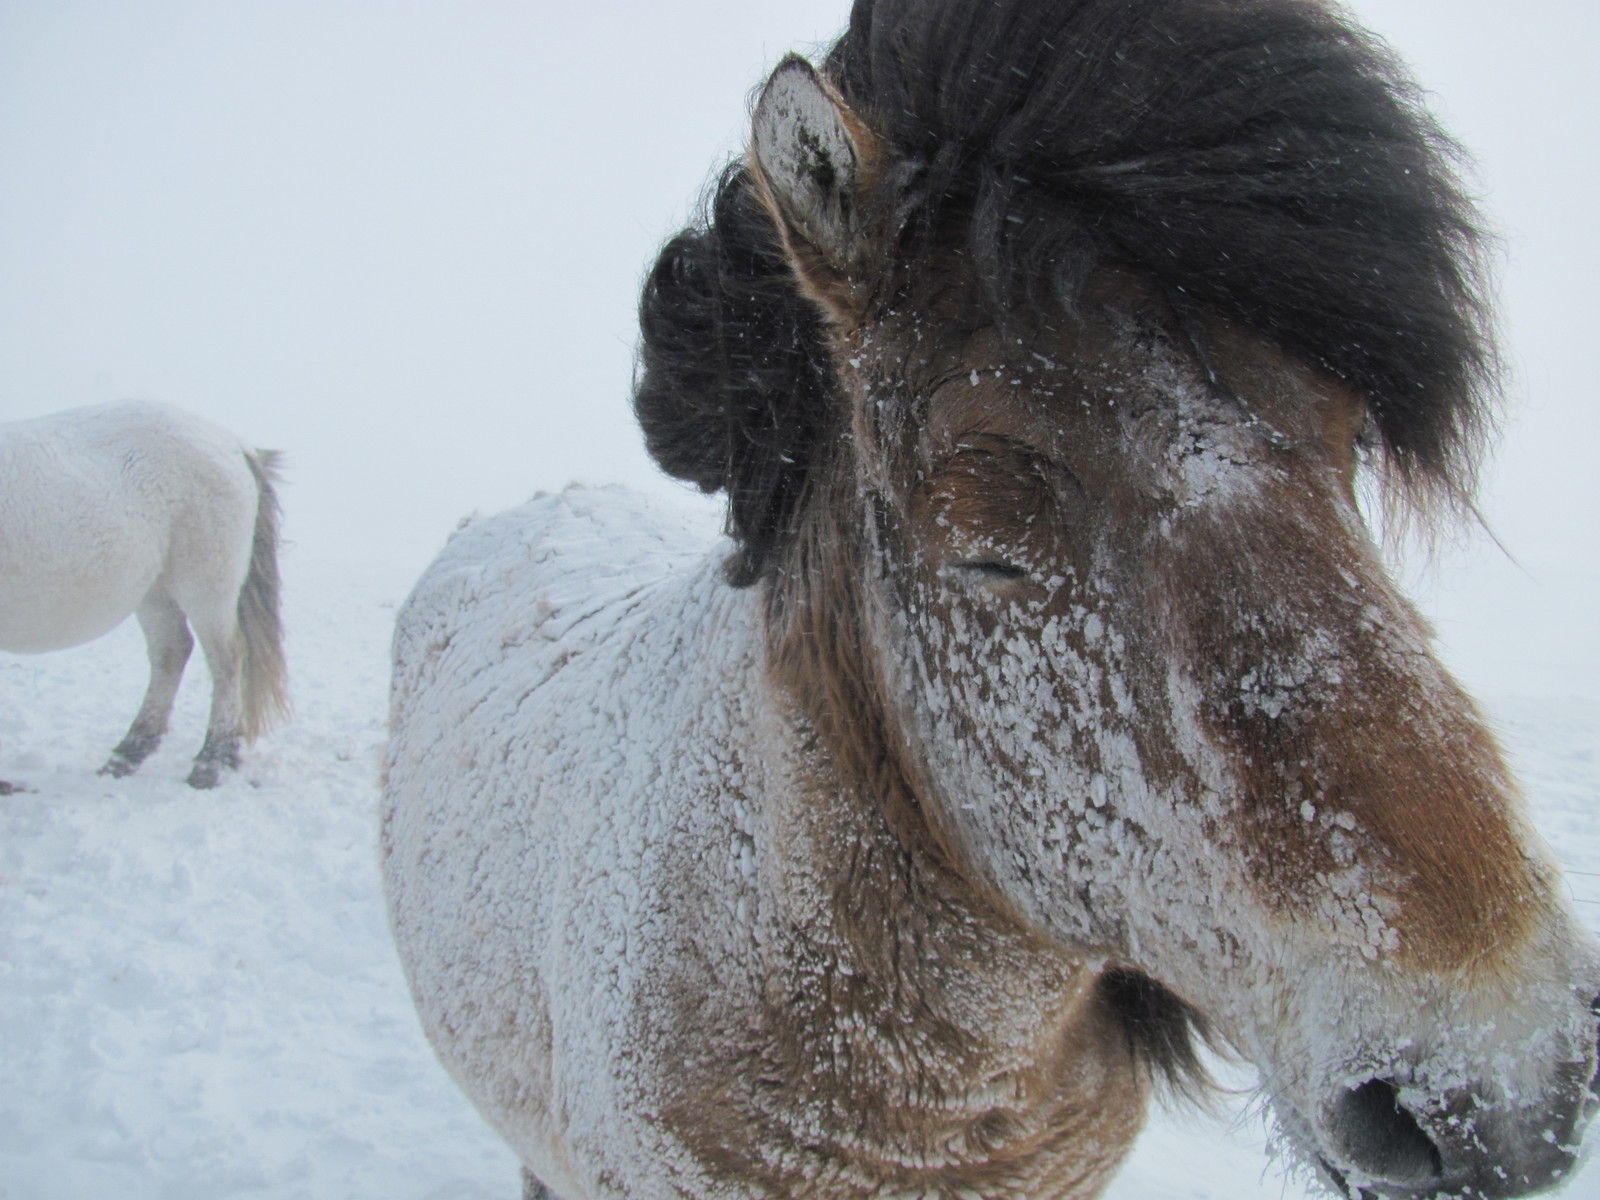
547,576
574,546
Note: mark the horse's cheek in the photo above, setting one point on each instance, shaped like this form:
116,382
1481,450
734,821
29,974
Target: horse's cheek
998,711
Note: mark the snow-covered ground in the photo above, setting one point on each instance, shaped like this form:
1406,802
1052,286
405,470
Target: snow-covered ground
198,995
402,243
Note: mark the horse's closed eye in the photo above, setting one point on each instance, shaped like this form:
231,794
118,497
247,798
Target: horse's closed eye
990,570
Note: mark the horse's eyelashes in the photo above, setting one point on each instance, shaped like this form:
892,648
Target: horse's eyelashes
990,570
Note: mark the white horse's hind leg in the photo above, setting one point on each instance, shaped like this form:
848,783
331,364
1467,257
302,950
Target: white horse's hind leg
223,645
168,642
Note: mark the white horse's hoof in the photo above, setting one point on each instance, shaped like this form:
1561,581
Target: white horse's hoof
205,775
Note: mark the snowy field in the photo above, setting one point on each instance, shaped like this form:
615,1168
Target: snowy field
198,995
402,243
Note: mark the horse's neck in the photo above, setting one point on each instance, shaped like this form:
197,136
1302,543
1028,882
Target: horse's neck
929,1025
815,937
858,901
923,1025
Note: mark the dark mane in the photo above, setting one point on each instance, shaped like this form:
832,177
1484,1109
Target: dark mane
734,385
1260,160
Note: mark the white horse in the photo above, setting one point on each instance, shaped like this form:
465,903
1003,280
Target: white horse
143,508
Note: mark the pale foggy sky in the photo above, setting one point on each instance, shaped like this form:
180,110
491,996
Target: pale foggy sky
402,240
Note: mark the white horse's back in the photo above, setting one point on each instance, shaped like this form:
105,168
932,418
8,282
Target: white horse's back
94,505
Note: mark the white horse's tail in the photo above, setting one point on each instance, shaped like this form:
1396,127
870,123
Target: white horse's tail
264,699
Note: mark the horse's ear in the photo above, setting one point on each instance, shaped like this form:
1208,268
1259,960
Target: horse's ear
815,162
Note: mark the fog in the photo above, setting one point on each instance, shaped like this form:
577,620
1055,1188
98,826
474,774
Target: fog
401,241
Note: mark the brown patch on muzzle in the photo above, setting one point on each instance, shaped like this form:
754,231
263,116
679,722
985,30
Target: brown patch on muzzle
1373,800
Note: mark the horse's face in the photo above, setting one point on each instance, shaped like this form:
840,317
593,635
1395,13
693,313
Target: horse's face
1168,706
1160,700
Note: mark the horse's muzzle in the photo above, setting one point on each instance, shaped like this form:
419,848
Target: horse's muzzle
1381,1148
1379,1138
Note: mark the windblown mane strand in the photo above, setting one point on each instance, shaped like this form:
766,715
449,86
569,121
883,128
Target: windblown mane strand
1164,1034
1260,160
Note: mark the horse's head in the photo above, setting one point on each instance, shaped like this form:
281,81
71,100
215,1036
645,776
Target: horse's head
1068,531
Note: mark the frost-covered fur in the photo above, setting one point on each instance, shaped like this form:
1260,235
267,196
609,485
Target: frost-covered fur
1051,704
143,508
668,951
621,935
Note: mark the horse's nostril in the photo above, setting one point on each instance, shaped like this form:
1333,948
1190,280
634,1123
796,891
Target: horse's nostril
1382,1139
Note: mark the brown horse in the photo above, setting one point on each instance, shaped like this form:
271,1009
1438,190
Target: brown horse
1053,708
